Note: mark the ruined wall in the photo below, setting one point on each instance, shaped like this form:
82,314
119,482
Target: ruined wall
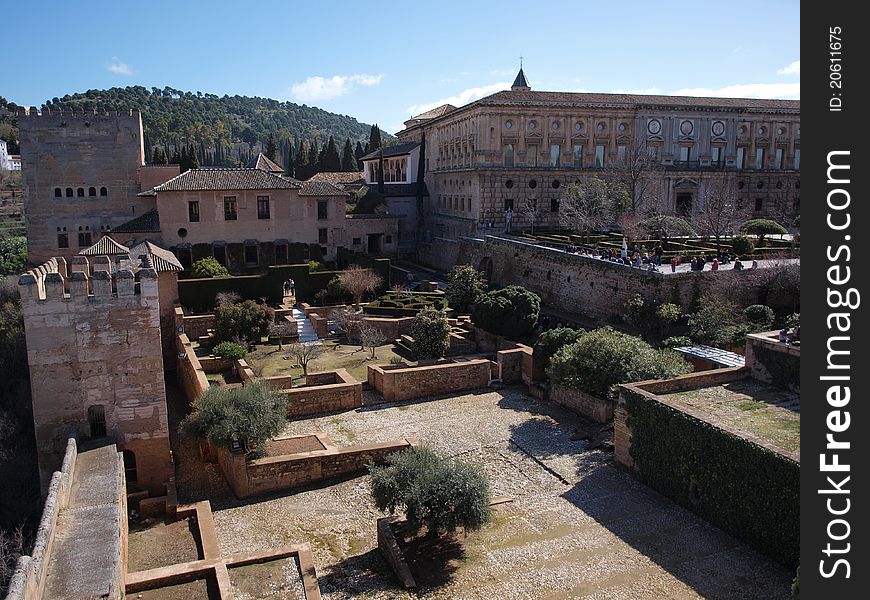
599,410
190,375
772,361
324,392
97,347
432,380
78,151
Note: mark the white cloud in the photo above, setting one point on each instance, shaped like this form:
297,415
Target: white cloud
119,68
326,88
793,69
463,97
784,91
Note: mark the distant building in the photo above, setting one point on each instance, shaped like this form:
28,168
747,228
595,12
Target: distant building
8,162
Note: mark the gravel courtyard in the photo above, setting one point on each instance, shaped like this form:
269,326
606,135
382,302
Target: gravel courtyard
578,527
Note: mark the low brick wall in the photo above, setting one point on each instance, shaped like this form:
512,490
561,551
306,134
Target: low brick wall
320,324
28,580
196,326
190,374
277,473
431,380
583,404
389,547
321,311
215,364
515,364
330,391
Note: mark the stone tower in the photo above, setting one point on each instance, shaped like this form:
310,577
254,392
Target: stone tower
80,175
94,350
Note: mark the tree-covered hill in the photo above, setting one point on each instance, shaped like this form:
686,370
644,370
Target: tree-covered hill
230,126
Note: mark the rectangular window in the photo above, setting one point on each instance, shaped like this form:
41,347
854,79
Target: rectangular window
777,158
357,241
62,240
193,211
740,162
578,155
620,154
599,156
759,204
230,208
532,155
716,155
281,254
84,239
508,203
322,236
797,158
251,255
220,254
555,155
685,153
322,210
262,207
554,205
759,158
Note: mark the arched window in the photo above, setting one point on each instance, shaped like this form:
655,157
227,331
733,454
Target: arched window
97,420
104,191
92,191
58,193
130,466
69,192
80,192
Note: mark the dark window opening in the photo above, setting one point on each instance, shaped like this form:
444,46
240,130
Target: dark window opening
220,254
230,208
62,240
684,205
193,211
322,236
97,421
252,255
508,203
104,191
262,207
533,184
759,204
554,205
69,192
281,254
58,193
92,191
322,210
357,241
130,466
84,239
80,192
185,257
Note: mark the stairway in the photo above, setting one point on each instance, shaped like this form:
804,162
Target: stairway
304,327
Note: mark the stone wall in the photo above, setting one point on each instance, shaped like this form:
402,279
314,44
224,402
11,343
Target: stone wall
190,375
325,392
515,364
97,350
586,405
772,361
276,473
408,383
196,326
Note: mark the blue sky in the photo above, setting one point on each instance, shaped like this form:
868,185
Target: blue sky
384,61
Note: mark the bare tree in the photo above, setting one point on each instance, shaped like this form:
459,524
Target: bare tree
640,173
281,330
304,353
347,321
591,205
225,298
720,214
531,213
370,337
357,281
13,543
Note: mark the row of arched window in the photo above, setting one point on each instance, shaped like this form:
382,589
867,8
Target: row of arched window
79,192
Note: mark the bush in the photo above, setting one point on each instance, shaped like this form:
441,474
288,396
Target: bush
601,359
315,266
742,245
651,317
762,227
716,323
247,320
250,415
230,350
665,226
676,341
552,340
431,333
759,316
511,311
440,494
208,267
13,255
465,285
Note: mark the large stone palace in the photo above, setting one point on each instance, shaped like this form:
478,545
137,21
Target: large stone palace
519,148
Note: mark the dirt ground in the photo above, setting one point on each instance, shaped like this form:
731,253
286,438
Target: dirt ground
160,544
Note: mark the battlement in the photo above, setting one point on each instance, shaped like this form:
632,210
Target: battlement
32,112
83,280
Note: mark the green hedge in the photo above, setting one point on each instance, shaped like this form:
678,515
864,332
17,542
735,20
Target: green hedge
741,487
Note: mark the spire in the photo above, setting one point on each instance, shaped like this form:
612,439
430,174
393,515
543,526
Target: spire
520,83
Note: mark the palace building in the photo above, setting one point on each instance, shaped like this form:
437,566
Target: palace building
518,149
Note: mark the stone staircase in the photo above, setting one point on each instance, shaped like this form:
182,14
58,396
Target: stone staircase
304,327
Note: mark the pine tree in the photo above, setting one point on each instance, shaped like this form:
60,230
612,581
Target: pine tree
348,160
331,160
374,138
271,148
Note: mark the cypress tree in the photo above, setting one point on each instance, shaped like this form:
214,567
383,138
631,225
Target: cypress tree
157,156
301,163
374,138
381,188
271,149
331,160
192,158
176,158
313,159
148,157
358,153
348,160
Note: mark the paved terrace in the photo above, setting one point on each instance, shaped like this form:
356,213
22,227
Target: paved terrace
578,526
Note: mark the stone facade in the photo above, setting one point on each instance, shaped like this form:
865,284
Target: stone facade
96,365
521,148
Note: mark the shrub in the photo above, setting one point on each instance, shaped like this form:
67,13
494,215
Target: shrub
230,350
431,333
759,316
315,266
742,245
716,323
665,226
250,415
511,311
440,494
600,360
247,320
762,227
465,285
13,255
676,341
209,267
552,340
651,317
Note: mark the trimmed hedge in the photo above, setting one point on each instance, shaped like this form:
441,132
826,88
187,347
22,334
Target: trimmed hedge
741,487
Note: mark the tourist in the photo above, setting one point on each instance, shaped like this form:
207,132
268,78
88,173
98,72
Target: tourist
714,266
658,251
291,287
783,335
754,264
727,259
738,266
693,266
674,262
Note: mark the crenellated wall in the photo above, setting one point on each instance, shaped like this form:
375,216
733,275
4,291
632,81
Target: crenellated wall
94,350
